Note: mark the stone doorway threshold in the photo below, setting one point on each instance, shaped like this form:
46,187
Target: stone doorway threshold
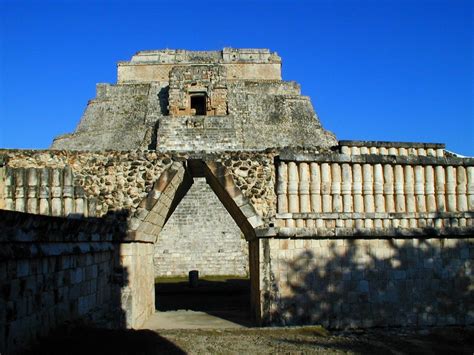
187,319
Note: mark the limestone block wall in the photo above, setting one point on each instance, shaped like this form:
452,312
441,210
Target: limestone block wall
151,72
198,133
201,235
151,66
137,293
260,115
276,120
364,191
349,282
59,270
124,119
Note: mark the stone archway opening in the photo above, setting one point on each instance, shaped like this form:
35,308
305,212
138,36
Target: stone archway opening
205,231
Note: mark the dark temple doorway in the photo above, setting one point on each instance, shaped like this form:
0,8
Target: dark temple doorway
198,103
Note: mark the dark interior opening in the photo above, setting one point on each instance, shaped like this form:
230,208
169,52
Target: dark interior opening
222,297
198,102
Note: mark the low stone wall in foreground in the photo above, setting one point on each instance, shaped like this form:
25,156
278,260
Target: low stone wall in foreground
54,270
367,282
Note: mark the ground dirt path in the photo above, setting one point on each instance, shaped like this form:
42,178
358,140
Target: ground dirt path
292,340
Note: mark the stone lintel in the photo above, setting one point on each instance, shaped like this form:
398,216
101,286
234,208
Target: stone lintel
289,155
376,215
388,144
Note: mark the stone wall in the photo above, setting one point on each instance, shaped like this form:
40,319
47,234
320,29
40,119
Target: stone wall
248,106
205,80
201,235
376,221
419,190
260,115
242,64
356,283
120,107
137,294
253,173
88,183
54,270
187,133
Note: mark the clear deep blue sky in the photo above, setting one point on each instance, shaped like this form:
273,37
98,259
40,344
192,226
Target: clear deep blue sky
375,70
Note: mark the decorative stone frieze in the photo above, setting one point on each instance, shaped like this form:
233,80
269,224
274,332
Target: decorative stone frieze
394,193
205,81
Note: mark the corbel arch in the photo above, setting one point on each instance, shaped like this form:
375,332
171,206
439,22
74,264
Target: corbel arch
173,184
155,209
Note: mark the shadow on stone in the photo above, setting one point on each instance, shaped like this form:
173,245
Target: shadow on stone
89,340
60,270
227,299
371,283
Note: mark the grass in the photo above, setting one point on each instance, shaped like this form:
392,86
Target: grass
214,278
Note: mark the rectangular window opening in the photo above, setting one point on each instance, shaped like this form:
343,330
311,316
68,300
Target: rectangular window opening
198,103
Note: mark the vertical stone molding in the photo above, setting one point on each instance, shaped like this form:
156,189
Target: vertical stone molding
315,188
20,190
336,187
379,199
451,188
282,188
9,189
430,189
357,188
388,188
2,187
304,188
316,200
420,188
79,206
368,191
399,189
56,192
293,200
409,189
346,191
303,191
440,181
470,187
45,192
68,191
378,188
326,187
32,194
461,188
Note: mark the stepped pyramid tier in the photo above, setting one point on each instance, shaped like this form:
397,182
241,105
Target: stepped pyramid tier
181,100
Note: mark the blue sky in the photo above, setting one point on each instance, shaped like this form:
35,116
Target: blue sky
375,70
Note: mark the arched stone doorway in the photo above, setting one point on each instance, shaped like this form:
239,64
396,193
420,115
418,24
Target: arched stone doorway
156,209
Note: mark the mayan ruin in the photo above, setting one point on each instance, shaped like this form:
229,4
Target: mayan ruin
209,161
